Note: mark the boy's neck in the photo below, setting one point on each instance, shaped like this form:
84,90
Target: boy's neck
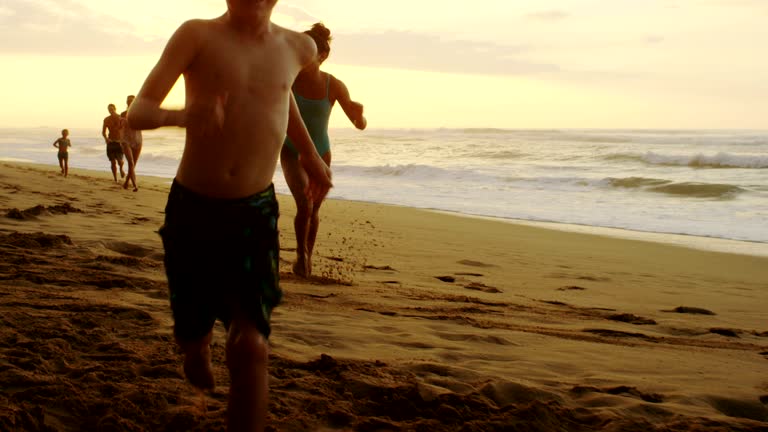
250,28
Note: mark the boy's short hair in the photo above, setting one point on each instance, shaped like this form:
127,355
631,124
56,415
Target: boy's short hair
63,131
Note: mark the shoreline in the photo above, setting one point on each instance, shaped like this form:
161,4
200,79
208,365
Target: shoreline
703,243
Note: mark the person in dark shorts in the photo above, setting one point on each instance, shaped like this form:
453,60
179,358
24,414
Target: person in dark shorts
63,145
110,130
238,240
220,232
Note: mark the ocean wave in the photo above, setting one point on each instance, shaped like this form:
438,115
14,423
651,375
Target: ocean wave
699,160
699,190
412,172
687,189
636,182
499,154
160,159
483,131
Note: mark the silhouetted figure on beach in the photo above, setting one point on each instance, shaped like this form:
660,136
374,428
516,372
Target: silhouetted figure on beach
131,143
220,233
316,92
112,124
63,145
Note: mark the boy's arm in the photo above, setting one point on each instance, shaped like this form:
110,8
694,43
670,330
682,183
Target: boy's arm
353,110
104,130
56,143
145,111
317,170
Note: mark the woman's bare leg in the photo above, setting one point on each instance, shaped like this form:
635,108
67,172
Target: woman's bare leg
314,223
297,181
128,153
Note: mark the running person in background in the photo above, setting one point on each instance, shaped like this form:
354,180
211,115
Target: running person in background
316,92
113,123
131,145
63,145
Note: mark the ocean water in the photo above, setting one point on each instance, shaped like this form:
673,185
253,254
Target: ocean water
703,188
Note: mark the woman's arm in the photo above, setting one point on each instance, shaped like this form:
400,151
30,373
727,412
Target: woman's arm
353,110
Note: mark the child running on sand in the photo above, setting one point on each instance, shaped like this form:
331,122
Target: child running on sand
63,145
220,233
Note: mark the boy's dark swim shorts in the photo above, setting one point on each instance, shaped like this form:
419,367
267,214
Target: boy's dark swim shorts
221,255
114,151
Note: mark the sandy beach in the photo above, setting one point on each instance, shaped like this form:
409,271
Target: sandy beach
413,321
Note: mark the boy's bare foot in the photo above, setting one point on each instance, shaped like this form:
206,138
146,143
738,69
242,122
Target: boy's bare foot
300,269
197,369
125,185
135,189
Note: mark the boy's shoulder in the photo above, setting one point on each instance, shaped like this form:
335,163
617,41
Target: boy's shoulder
299,41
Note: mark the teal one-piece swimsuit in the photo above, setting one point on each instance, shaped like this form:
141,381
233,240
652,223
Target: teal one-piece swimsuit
315,113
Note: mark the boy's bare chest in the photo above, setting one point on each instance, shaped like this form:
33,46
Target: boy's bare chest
245,69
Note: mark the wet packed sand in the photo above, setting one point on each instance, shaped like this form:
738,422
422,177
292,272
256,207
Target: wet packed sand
413,321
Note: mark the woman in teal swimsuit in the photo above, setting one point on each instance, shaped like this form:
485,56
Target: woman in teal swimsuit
316,92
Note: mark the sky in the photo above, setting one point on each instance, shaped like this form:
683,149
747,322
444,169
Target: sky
425,63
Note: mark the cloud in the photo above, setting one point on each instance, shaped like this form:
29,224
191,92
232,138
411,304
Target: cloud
296,13
423,52
43,27
551,15
654,39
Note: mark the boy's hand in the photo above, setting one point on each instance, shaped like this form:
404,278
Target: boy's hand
208,119
319,175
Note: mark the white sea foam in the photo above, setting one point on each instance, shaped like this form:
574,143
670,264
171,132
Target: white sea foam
697,160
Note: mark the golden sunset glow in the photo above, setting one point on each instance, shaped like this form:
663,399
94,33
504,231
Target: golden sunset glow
508,64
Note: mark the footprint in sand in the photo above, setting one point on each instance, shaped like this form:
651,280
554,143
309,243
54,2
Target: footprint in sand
128,261
477,286
620,391
724,332
41,210
691,310
571,288
475,263
631,319
383,268
35,240
127,249
448,279
615,333
748,409
579,277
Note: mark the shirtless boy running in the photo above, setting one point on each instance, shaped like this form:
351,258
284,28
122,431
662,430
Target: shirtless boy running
220,232
112,124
